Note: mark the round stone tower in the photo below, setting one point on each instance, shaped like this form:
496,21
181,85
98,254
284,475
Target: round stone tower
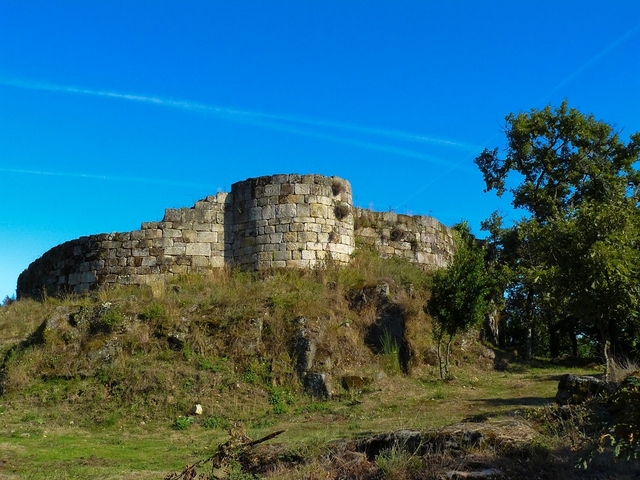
290,221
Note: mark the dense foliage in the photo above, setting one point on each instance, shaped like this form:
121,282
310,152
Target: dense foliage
570,264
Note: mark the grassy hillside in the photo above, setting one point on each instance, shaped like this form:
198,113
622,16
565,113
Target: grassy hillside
105,385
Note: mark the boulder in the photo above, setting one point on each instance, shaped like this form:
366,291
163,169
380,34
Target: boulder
574,389
317,384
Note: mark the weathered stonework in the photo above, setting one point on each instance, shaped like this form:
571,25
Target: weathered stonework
278,221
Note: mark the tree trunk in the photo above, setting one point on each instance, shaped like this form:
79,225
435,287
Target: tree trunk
554,341
614,339
528,347
608,365
574,342
440,357
448,354
491,326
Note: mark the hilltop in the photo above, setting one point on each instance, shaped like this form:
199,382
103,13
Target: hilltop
108,384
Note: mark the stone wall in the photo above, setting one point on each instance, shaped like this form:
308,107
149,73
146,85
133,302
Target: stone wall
420,239
278,221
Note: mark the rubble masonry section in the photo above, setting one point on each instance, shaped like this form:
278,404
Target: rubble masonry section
278,221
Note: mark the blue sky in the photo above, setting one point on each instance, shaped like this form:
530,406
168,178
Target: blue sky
111,112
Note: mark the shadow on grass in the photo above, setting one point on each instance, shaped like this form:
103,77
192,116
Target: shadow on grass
506,362
515,401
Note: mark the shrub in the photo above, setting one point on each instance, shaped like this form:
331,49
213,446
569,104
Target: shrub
153,312
337,187
215,422
182,423
341,211
107,320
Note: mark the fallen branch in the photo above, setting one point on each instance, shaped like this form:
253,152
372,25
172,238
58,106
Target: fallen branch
229,450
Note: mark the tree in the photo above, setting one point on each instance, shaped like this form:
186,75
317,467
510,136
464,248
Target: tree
572,260
460,293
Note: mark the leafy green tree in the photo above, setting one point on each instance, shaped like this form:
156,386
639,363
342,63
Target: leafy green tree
460,294
572,260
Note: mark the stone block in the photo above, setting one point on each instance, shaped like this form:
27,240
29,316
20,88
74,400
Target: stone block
203,227
290,237
255,213
302,189
153,233
198,249
97,265
304,237
275,238
149,261
286,210
314,246
317,210
189,236
286,190
200,261
171,233
217,261
304,210
262,239
270,190
162,242
140,252
308,255
295,246
314,227
172,215
297,263
180,250
203,237
280,255
248,241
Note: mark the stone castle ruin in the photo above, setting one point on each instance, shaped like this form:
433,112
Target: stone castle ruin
278,221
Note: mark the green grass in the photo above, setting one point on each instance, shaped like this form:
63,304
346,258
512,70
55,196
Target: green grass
115,400
157,447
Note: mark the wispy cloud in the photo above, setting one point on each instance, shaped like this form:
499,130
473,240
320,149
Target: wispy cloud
151,181
312,127
579,71
597,57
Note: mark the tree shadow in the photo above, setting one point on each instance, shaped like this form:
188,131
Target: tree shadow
521,401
